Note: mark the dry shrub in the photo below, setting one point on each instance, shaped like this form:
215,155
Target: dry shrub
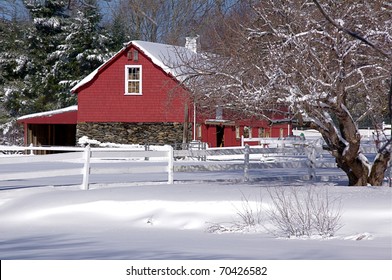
304,212
293,212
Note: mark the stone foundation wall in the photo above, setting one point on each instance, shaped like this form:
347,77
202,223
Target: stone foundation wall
132,133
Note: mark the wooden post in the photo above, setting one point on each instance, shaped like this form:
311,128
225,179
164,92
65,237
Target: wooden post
31,149
186,123
146,148
246,162
170,163
86,168
311,155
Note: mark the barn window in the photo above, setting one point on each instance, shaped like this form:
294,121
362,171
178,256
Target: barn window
237,132
261,132
133,80
198,131
247,132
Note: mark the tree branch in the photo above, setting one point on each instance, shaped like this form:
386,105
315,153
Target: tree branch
349,32
376,48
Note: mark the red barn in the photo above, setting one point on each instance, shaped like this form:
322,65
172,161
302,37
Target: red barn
136,97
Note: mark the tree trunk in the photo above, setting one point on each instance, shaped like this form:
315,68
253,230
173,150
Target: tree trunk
356,171
344,143
345,148
379,167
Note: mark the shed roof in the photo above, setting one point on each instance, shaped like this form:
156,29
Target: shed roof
63,115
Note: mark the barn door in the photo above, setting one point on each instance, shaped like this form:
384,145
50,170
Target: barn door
220,133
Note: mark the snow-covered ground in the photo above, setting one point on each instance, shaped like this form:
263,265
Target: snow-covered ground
176,221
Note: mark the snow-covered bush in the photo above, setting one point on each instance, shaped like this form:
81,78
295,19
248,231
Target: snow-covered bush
250,214
291,212
297,212
11,133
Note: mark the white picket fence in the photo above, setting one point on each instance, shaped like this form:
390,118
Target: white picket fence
86,155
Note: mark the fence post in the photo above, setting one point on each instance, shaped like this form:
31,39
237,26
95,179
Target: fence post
311,155
242,140
31,149
86,167
146,148
170,163
246,162
204,147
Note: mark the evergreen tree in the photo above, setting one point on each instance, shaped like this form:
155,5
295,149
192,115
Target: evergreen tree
118,31
14,65
40,86
62,44
40,60
84,47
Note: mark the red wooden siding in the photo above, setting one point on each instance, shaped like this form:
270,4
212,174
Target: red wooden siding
103,99
209,133
232,122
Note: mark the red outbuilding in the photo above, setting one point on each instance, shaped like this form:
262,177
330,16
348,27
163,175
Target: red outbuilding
137,97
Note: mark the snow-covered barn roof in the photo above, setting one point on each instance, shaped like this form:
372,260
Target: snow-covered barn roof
171,59
46,117
49,113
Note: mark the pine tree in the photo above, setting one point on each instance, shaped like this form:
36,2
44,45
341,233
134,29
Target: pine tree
41,38
42,59
14,65
84,47
118,31
62,45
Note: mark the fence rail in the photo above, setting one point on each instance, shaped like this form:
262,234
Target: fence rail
305,158
85,156
248,158
274,142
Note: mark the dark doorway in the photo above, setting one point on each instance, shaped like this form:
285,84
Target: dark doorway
51,134
220,132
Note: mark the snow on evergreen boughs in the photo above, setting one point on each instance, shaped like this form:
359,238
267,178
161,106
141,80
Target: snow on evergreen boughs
42,59
53,23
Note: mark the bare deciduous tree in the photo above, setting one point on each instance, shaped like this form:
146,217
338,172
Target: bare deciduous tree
166,21
12,10
288,53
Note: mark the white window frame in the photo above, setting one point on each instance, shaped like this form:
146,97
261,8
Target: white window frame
198,131
262,132
127,67
237,132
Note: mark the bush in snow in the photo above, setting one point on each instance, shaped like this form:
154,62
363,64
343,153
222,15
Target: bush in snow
296,212
11,133
293,212
250,215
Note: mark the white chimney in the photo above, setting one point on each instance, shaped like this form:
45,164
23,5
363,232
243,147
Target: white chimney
192,43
